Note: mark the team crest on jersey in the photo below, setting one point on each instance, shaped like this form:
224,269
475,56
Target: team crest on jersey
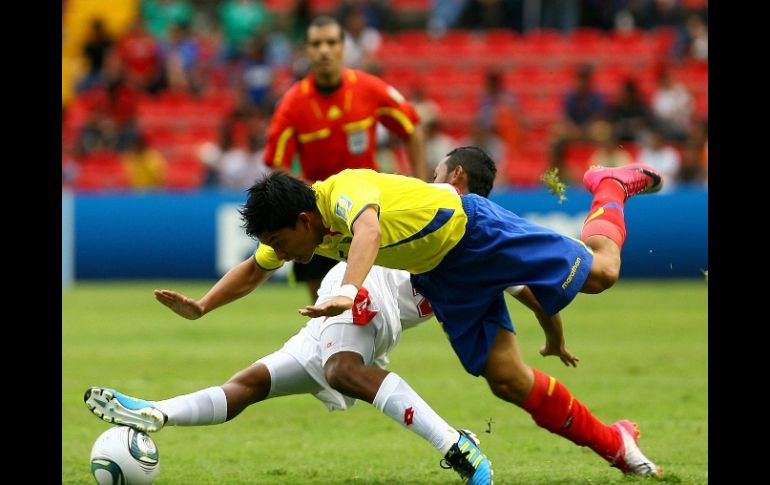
393,93
342,209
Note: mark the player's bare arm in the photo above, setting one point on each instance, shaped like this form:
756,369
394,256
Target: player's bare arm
238,282
552,327
363,251
415,148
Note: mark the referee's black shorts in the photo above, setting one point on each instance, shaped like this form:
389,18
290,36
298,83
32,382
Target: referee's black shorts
315,270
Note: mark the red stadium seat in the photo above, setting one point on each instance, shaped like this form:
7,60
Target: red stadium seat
457,114
101,158
409,6
498,48
577,158
541,110
404,79
324,6
278,6
702,106
185,174
413,38
585,35
99,177
524,168
549,81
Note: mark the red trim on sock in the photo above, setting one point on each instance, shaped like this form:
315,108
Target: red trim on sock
605,217
560,413
608,225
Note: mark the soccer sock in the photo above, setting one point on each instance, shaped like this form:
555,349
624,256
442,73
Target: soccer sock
207,406
606,215
554,408
399,401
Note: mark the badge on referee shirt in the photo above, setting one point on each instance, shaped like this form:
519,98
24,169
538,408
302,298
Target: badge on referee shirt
358,141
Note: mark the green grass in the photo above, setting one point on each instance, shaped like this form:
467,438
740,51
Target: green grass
643,348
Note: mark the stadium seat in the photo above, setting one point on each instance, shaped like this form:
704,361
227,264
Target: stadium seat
101,176
404,79
525,167
702,106
552,81
410,6
319,7
457,114
541,110
498,48
102,158
577,158
185,174
278,6
585,35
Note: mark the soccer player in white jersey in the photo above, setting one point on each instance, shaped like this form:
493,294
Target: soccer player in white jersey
385,306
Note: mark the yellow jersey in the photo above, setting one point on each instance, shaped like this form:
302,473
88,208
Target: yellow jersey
419,222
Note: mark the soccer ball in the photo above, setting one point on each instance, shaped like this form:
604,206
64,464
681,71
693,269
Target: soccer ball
124,456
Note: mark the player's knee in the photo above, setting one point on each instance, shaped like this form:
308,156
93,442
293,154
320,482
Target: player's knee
342,372
601,278
609,276
513,387
252,377
251,384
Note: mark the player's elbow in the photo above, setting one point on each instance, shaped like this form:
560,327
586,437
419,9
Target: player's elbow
370,235
376,236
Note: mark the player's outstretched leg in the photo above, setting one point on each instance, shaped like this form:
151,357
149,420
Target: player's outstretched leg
630,458
117,408
605,223
553,407
468,461
636,178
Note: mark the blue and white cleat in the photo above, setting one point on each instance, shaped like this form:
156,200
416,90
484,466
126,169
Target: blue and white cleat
468,461
117,408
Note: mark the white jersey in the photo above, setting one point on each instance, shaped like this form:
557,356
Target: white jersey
397,305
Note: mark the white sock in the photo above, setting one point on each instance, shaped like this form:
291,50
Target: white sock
207,406
399,401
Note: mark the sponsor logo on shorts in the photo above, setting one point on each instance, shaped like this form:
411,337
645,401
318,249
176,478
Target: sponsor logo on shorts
571,273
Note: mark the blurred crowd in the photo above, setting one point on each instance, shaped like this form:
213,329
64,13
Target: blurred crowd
182,97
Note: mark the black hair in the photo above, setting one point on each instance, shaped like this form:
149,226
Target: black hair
481,169
323,21
275,202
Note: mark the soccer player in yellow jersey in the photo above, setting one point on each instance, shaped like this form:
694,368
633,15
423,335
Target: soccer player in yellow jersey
462,253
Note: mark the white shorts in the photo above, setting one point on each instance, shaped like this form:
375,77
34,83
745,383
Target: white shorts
297,367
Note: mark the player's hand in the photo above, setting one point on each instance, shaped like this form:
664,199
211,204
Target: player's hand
561,352
329,308
180,304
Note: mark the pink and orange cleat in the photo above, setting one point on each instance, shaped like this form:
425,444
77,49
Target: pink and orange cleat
630,458
636,178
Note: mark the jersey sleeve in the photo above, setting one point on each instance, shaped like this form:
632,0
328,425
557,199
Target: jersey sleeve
394,111
281,139
266,258
350,197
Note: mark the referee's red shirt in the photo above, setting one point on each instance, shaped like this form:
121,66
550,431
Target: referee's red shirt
333,132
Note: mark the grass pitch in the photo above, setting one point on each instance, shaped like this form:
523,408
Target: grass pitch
643,348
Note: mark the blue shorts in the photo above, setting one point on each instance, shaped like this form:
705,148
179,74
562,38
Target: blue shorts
499,249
